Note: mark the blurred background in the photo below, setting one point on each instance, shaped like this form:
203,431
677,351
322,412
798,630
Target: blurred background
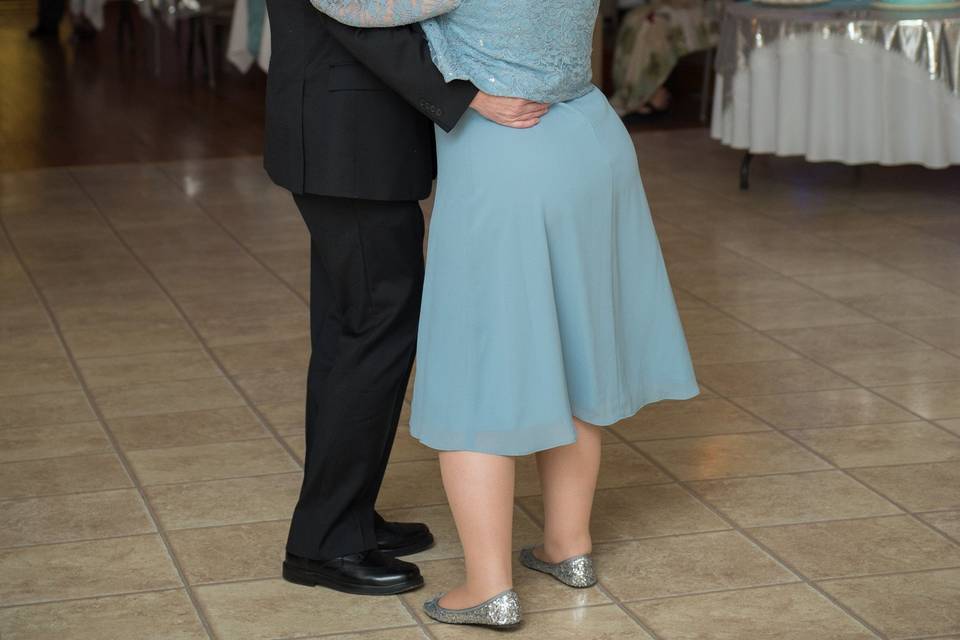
801,162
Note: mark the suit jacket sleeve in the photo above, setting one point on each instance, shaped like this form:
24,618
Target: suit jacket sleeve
400,57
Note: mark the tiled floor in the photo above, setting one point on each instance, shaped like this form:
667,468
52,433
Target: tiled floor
153,339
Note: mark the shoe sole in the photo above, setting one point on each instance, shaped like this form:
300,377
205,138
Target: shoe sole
425,543
311,579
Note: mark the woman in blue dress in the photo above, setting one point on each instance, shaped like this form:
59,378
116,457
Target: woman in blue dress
547,313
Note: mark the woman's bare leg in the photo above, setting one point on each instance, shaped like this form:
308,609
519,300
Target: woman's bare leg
568,477
479,488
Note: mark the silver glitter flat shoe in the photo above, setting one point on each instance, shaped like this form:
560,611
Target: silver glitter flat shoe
575,572
502,610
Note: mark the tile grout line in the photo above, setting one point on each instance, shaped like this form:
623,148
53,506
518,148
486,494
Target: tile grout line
197,335
600,586
243,247
216,360
786,565
121,455
845,470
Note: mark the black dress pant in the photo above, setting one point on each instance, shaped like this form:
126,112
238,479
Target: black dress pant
366,279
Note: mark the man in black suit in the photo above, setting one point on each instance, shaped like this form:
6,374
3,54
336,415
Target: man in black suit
349,131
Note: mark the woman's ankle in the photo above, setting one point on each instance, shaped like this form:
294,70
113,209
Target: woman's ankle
560,550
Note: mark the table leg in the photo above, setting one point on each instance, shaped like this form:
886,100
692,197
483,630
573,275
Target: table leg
745,171
705,85
210,50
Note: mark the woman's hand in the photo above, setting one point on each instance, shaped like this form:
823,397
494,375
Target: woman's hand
509,112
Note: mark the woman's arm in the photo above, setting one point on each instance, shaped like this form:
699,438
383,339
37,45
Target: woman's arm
383,13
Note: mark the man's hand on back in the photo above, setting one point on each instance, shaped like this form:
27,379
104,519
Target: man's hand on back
509,112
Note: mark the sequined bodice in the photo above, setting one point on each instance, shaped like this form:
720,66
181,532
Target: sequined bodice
535,49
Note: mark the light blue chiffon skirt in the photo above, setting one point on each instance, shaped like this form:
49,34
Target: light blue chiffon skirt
546,295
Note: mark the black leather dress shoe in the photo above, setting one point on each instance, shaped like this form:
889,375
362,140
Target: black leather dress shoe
401,538
369,573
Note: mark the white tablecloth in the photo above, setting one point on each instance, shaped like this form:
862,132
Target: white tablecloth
238,52
836,99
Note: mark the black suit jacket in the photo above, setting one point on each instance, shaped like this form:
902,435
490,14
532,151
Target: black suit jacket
350,112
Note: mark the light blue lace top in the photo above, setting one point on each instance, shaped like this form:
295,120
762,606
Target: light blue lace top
534,49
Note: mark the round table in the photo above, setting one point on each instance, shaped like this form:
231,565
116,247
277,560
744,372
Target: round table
841,82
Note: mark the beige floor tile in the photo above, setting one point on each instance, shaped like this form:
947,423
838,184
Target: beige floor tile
697,417
444,529
61,407
946,521
943,333
857,547
224,306
186,428
904,606
749,290
952,426
866,283
210,461
283,385
537,590
286,417
411,484
792,498
84,569
781,376
222,502
785,612
931,401
27,343
48,476
405,447
903,307
79,516
881,444
23,377
918,487
164,615
699,321
124,371
220,331
127,339
31,443
403,633
264,356
276,609
298,445
676,565
849,340
167,397
726,456
79,309
793,315
877,369
622,466
237,552
736,347
643,512
831,408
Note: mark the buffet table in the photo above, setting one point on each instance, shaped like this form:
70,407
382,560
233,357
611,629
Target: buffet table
840,82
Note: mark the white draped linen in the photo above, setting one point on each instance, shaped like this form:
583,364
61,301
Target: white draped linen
840,82
834,99
238,51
